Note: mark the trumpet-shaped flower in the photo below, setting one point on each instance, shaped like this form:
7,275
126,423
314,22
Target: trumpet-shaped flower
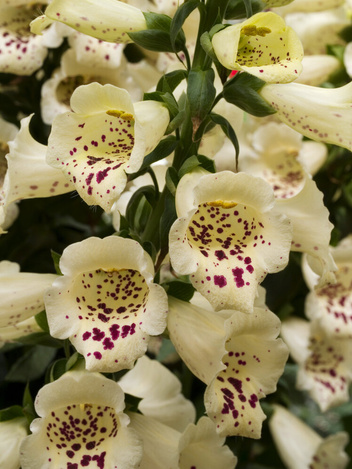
275,155
317,69
198,445
111,23
21,293
227,236
105,137
12,433
106,302
300,447
263,46
16,331
324,362
165,402
81,423
322,114
242,361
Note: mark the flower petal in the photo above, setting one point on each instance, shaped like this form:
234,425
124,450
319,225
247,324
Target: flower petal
12,433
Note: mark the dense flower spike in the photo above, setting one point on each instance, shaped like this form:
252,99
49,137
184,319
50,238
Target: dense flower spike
300,447
12,433
106,303
81,422
163,402
105,137
262,45
112,23
321,114
227,236
238,376
21,293
324,362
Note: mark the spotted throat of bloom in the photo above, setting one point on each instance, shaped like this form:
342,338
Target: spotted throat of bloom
322,114
81,421
111,23
323,362
263,46
242,361
279,156
300,447
105,137
106,302
227,236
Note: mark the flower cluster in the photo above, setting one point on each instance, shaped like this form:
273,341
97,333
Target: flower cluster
185,160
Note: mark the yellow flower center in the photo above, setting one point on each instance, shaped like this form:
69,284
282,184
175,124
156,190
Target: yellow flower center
252,30
122,114
222,203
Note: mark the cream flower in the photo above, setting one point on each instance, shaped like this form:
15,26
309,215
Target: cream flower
300,447
165,402
276,156
317,69
312,5
106,302
81,420
322,114
324,362
263,46
347,59
16,331
227,237
21,293
242,359
12,433
111,23
105,137
198,446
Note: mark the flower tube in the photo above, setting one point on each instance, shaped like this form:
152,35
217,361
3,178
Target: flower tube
106,302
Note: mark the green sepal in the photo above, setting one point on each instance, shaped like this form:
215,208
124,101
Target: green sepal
193,162
180,16
228,131
205,42
136,206
57,369
181,290
171,180
201,93
162,150
56,258
171,80
236,9
176,122
242,91
11,413
42,321
167,219
171,103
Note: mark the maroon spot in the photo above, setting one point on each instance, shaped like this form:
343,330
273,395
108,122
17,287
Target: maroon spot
237,384
90,445
252,401
220,255
97,355
100,460
120,310
108,344
98,334
76,447
220,281
237,273
114,331
86,335
247,260
250,269
70,454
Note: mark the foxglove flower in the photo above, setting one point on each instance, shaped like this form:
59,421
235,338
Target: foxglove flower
278,155
312,5
105,137
322,114
81,421
227,236
165,402
21,293
111,23
263,46
12,433
242,360
106,302
324,362
300,447
16,331
317,69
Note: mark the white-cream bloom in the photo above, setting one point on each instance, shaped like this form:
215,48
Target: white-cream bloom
300,447
106,302
198,446
322,114
227,236
21,293
324,362
317,69
242,360
12,433
111,23
263,46
331,305
312,5
81,421
160,393
347,58
278,155
105,137
16,331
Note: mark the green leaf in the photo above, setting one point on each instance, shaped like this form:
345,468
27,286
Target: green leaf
170,81
242,90
205,42
188,166
28,405
176,122
153,96
146,191
201,93
236,9
228,131
168,217
56,258
162,150
11,413
180,16
171,103
248,7
167,351
58,368
171,180
40,338
207,163
32,364
42,321
337,50
181,290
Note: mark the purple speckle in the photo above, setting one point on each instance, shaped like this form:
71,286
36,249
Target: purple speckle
237,273
220,281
